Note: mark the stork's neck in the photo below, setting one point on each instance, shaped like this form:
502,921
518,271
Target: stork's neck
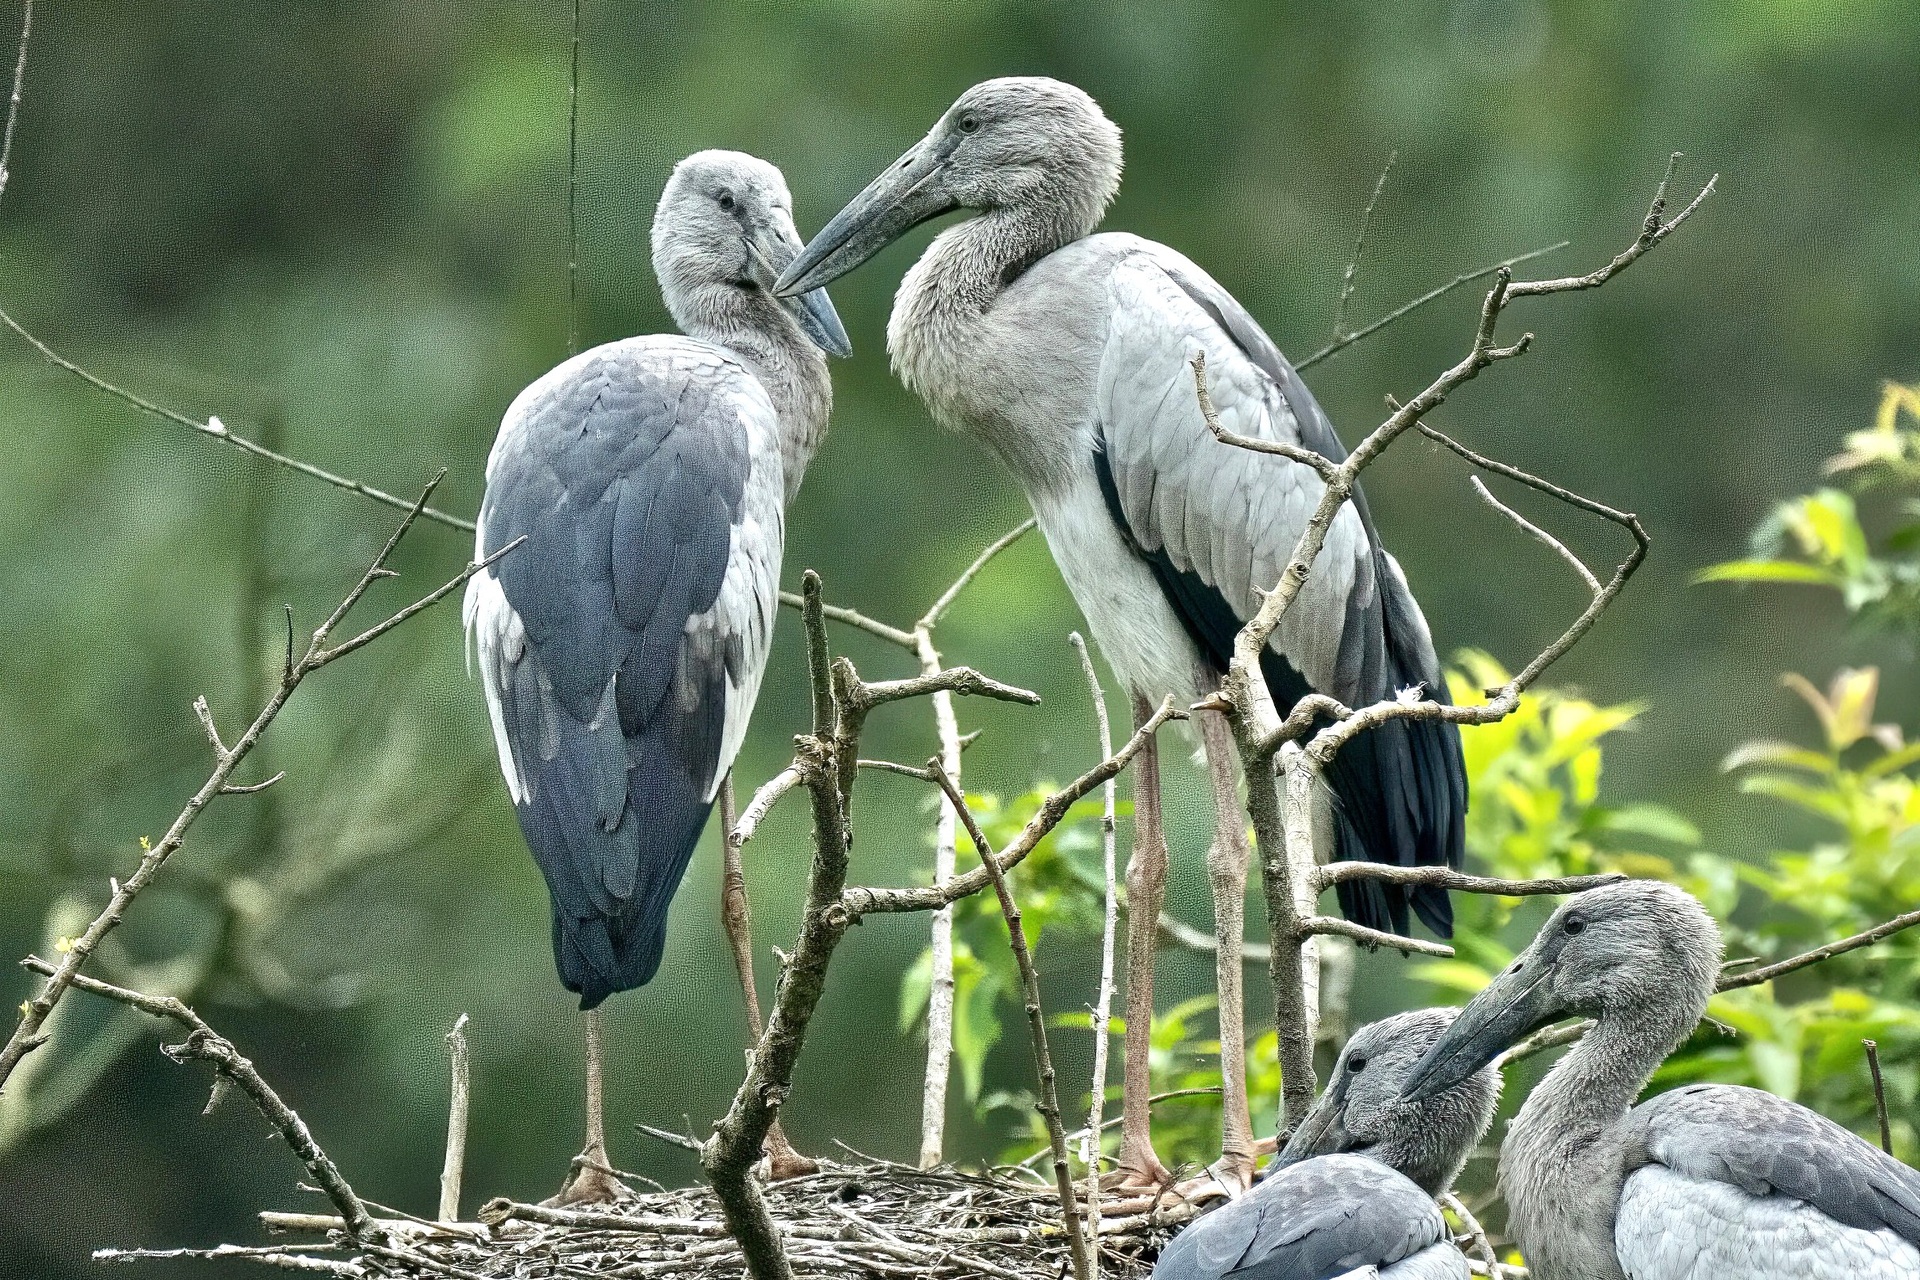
749,323
945,298
1563,1161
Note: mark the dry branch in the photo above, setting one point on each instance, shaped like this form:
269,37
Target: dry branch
13,100
319,652
1283,827
456,1157
207,1045
1102,1010
1049,1102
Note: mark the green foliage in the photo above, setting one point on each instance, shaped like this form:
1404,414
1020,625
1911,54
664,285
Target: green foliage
1817,539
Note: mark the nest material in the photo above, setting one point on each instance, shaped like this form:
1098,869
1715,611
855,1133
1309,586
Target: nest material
871,1221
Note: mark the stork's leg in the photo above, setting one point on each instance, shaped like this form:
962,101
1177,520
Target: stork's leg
1140,1168
1227,863
783,1160
592,1179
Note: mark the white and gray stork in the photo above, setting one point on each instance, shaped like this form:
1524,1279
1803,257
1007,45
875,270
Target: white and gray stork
621,646
1354,1187
1706,1182
1066,354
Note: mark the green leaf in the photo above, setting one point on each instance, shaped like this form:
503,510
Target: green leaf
1769,571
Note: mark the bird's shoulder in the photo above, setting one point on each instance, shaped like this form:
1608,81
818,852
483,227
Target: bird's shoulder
1320,1217
1765,1145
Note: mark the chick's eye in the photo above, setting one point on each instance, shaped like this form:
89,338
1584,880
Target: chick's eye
726,200
1574,924
1356,1065
969,123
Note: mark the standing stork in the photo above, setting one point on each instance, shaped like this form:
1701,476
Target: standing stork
621,647
1706,1182
1355,1185
1067,355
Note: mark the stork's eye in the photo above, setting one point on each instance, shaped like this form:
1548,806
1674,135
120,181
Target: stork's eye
726,200
1356,1065
969,122
1574,924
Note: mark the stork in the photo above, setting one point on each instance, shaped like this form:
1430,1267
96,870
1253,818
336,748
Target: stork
1355,1185
621,647
1706,1182
1067,356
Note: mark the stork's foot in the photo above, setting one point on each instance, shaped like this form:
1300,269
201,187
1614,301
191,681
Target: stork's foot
592,1181
1229,1178
1136,1178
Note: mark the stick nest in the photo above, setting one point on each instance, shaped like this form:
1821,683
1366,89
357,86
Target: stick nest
867,1221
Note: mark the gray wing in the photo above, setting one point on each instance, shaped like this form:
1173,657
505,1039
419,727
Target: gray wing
1767,1146
1219,523
1309,1221
621,646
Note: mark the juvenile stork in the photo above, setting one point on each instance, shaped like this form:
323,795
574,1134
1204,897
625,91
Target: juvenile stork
1707,1182
621,646
1355,1185
1067,355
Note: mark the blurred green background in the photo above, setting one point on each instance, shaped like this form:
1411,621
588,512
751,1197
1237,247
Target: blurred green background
343,227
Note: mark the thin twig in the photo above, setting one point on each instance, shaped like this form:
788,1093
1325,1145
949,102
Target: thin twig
27,1034
1865,938
1049,1103
1359,248
938,608
218,430
13,102
456,1158
276,1258
868,899
1464,278
204,1043
1102,1010
1538,534
1373,939
1476,1234
1459,882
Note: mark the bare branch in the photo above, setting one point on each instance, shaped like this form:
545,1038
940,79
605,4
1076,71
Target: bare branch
1102,1010
1539,535
1049,1103
1542,1040
573,187
26,1035
1324,466
279,1259
762,804
218,430
209,1046
961,680
456,1157
1373,939
1476,1234
1879,1094
13,102
1432,295
854,618
1359,248
867,900
935,611
1447,878
1865,938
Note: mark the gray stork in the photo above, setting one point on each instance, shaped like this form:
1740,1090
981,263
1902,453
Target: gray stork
1355,1185
1066,355
1706,1182
621,647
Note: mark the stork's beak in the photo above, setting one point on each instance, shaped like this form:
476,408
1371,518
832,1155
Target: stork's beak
771,247
1519,1001
1323,1132
911,191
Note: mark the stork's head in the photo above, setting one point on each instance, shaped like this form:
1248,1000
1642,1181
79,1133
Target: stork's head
724,228
1362,1111
1640,955
1023,142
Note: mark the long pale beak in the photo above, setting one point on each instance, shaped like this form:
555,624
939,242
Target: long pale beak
1517,1002
813,310
911,191
1323,1131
